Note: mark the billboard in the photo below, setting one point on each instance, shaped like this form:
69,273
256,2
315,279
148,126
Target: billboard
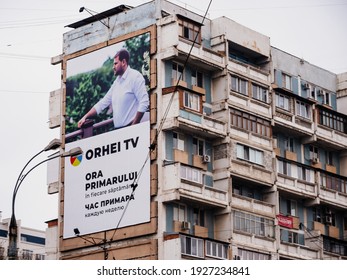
107,115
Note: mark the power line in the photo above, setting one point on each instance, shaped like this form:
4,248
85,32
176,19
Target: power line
24,56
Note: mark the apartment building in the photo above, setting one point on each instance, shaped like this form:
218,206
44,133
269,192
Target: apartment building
248,144
31,242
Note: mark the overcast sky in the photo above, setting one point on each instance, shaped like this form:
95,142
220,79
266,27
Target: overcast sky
31,33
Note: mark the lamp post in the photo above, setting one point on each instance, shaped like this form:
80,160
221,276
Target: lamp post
13,232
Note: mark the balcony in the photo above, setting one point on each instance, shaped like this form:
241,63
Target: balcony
333,189
331,138
331,128
298,251
296,186
253,205
191,119
303,185
182,182
178,246
177,47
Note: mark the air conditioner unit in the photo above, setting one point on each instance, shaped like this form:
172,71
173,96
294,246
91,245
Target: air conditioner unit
320,92
306,86
315,160
206,158
185,225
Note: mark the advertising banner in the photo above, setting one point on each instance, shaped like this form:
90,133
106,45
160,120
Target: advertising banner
107,116
285,221
98,185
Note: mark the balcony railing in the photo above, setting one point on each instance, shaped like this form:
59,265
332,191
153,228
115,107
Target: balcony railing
253,205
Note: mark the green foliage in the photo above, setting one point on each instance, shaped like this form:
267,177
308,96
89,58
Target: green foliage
85,89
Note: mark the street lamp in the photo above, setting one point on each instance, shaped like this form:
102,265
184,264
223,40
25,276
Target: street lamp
54,144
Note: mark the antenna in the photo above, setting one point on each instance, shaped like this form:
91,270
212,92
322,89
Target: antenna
95,16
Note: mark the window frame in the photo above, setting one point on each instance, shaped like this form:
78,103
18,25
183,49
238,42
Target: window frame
259,94
176,73
216,250
250,123
191,174
192,101
189,30
303,109
197,78
283,101
179,140
187,248
249,154
239,85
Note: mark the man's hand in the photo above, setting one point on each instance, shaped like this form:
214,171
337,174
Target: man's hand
81,122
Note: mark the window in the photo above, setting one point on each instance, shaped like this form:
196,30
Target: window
239,85
326,98
179,212
289,144
293,237
304,173
317,214
303,109
260,93
312,91
329,157
253,224
178,141
189,30
199,217
333,120
286,81
313,152
249,154
244,191
27,254
292,207
191,101
197,79
217,250
191,174
198,146
250,123
250,255
177,72
284,167
282,101
333,183
39,257
192,246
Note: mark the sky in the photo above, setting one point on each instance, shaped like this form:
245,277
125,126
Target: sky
31,32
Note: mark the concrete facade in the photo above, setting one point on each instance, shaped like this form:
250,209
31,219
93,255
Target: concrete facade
253,168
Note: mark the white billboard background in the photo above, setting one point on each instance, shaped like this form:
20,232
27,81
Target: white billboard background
97,191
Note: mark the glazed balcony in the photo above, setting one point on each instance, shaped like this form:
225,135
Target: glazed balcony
333,189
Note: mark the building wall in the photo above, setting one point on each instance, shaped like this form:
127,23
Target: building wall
255,191
30,242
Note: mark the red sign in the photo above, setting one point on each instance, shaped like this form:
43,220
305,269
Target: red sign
285,221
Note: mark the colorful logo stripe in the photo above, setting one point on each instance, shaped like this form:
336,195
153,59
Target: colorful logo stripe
76,161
